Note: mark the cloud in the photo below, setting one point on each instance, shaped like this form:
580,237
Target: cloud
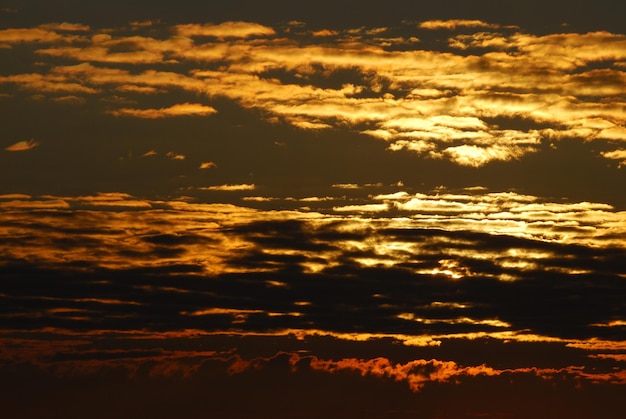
207,165
453,24
362,208
230,187
175,156
34,204
102,54
25,35
22,145
471,155
225,30
184,109
65,26
416,373
324,32
47,84
619,154
437,104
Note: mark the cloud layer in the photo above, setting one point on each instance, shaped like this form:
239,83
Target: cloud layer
462,103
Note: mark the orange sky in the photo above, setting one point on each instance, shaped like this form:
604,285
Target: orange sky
245,211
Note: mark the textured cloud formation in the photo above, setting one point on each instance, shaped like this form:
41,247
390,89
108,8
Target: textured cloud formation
442,291
463,107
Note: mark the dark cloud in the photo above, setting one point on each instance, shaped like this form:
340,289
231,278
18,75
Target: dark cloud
437,283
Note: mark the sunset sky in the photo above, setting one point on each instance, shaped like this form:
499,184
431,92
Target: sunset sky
341,209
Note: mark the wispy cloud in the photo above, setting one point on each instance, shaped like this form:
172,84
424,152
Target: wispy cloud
230,187
65,26
225,30
175,156
184,109
457,23
207,165
22,145
619,154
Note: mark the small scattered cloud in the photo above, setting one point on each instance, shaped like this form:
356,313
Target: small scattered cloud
143,23
207,165
175,156
619,154
65,26
149,153
25,204
324,32
15,196
259,198
230,187
24,35
475,156
138,89
22,145
346,186
185,109
458,23
225,30
70,99
362,208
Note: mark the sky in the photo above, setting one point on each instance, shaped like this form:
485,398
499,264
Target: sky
284,209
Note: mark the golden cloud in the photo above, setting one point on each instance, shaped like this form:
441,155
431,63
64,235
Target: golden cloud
184,109
230,187
475,156
225,30
23,35
456,23
619,154
22,145
65,26
207,165
433,103
47,83
175,156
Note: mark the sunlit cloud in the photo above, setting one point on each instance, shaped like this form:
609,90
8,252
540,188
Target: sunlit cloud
225,30
416,373
65,26
362,208
346,186
22,145
619,154
471,155
207,165
259,198
456,23
175,156
230,187
15,196
47,84
184,109
429,102
24,35
35,204
324,32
